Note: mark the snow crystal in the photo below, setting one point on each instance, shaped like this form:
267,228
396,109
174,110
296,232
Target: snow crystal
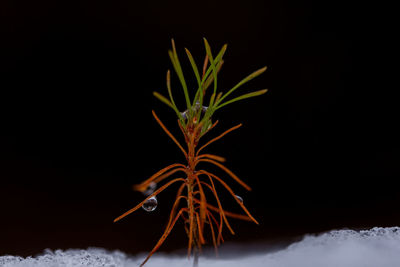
378,247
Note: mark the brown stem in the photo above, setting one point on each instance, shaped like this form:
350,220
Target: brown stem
231,174
231,192
143,185
163,237
218,137
169,133
152,195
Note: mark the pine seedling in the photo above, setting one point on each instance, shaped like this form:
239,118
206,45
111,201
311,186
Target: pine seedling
197,185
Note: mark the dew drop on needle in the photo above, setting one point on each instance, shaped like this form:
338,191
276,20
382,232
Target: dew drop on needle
150,189
239,198
150,204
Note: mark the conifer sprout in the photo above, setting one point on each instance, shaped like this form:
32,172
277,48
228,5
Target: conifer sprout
197,186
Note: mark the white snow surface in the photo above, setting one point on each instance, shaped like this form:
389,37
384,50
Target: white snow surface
377,247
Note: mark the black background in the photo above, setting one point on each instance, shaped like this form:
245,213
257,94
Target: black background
319,149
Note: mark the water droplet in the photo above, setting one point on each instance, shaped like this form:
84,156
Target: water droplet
150,189
184,114
239,198
194,108
150,204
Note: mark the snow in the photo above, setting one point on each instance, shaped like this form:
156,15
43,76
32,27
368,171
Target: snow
377,247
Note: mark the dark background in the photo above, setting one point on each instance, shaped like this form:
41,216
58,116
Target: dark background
319,149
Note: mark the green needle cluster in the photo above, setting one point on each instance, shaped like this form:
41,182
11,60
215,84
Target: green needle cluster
196,110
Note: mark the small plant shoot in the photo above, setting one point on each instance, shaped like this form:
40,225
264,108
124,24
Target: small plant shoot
197,186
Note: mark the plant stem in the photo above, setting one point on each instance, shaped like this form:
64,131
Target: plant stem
191,140
195,257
